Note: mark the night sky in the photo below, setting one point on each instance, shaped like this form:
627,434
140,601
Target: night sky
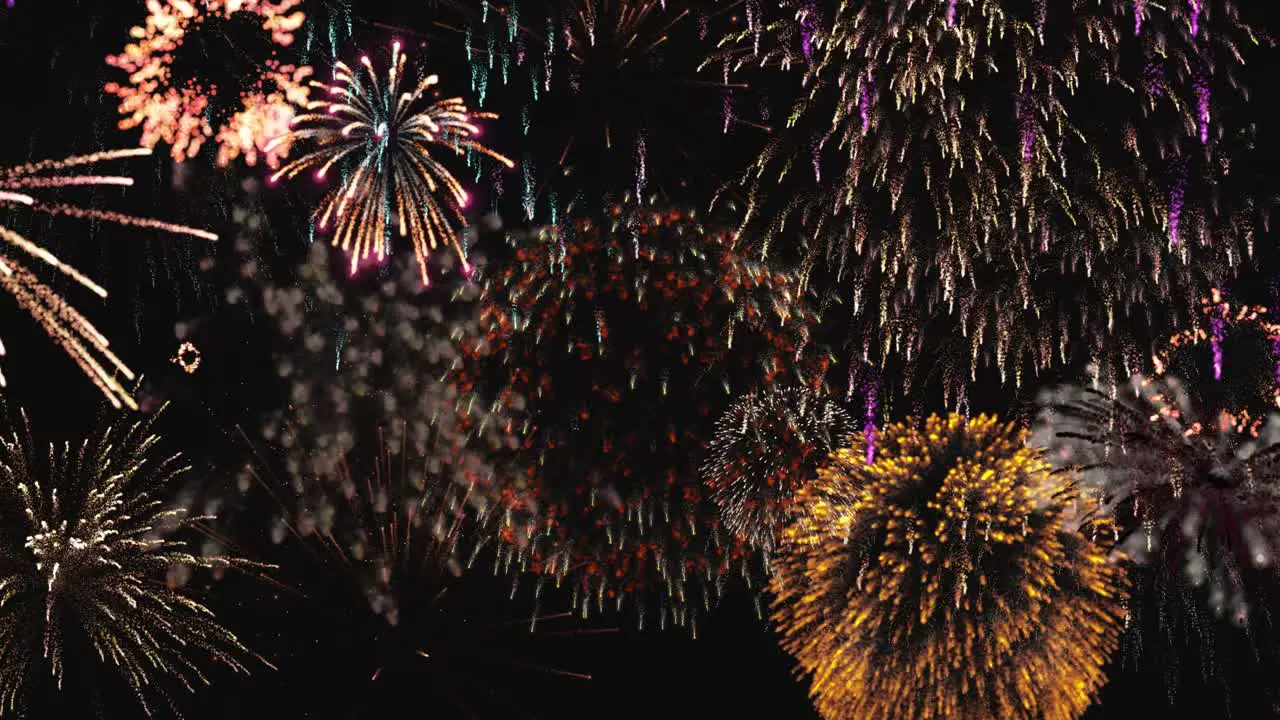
309,616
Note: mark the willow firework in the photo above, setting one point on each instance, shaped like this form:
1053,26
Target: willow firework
766,446
939,581
390,139
60,320
86,557
955,176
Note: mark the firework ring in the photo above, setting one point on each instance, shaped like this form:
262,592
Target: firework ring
187,357
1221,315
178,116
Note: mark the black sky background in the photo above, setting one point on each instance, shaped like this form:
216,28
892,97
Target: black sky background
323,639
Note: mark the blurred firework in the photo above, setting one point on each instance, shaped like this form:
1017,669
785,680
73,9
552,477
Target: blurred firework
182,115
1193,494
367,363
60,320
766,446
1004,181
627,334
940,582
391,175
612,95
89,569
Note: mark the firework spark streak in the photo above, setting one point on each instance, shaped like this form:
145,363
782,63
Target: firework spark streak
86,555
393,141
68,328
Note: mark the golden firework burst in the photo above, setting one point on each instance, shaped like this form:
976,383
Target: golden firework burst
940,582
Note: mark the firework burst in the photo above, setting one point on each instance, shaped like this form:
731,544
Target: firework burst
1189,490
77,336
625,336
180,115
766,446
939,581
955,181
390,138
88,559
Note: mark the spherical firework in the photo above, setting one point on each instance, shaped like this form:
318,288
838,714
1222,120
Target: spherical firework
612,95
627,335
939,581
956,183
766,446
85,561
68,328
391,142
180,115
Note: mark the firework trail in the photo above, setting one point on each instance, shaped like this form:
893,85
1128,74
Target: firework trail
22,186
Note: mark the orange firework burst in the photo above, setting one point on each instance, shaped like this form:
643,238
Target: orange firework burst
392,141
940,582
179,115
77,336
615,341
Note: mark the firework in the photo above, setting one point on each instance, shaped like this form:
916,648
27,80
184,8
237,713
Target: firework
1220,322
954,176
1190,490
69,329
612,95
626,335
391,139
180,115
86,558
767,445
1192,494
187,357
360,356
939,581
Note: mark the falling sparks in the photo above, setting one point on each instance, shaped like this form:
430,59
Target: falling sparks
911,199
390,143
65,325
869,425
